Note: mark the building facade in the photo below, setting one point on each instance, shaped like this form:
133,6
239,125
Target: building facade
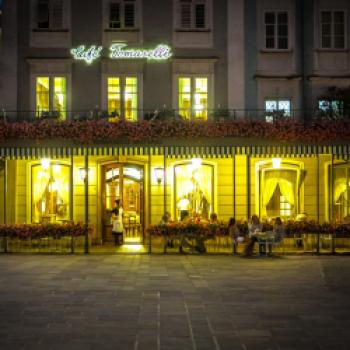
185,60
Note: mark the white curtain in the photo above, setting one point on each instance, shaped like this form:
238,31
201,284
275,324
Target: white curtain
285,179
339,188
39,187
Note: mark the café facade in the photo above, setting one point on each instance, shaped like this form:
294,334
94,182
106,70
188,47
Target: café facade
166,113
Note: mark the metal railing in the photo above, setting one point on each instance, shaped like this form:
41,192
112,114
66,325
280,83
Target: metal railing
176,114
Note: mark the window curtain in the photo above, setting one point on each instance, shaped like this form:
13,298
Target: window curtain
285,179
39,186
339,188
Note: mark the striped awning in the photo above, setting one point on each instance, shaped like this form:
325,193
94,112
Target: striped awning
339,151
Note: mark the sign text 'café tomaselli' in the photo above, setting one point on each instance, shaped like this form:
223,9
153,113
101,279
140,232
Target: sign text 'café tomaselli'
119,51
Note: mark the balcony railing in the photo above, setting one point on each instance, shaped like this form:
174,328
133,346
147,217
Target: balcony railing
176,114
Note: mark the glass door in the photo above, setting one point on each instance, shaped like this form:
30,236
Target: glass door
123,182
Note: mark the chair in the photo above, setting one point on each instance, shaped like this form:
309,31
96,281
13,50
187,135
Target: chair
278,244
301,239
326,239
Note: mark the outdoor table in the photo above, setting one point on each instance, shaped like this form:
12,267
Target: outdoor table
266,237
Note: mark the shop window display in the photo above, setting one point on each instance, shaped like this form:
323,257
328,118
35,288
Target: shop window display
50,192
194,190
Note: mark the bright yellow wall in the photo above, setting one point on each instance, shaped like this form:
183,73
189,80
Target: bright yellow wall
18,199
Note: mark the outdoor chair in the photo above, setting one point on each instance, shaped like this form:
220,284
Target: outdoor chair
302,239
326,240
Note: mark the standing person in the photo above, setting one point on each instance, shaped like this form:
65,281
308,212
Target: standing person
253,228
278,229
234,233
117,223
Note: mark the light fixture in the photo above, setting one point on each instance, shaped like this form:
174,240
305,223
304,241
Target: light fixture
82,173
276,163
56,168
45,163
196,163
159,174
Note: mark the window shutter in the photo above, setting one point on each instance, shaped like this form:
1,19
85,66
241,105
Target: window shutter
200,16
185,14
57,14
43,14
129,15
114,15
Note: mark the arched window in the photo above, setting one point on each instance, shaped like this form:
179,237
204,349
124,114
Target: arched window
279,191
341,191
50,192
194,189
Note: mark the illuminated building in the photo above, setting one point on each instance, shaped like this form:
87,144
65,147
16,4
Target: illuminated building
198,61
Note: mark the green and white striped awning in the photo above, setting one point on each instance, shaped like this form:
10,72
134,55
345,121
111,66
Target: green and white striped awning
339,151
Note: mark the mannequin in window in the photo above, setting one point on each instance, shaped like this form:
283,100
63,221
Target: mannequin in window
184,206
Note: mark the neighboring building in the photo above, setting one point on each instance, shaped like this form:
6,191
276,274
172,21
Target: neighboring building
229,59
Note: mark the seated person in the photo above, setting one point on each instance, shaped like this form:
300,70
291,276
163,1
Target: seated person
253,228
234,233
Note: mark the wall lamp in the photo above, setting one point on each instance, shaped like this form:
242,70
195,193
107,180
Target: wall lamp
82,173
159,174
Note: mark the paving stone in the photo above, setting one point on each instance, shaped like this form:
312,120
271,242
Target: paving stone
172,302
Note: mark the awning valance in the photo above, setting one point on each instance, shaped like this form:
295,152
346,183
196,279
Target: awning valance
175,151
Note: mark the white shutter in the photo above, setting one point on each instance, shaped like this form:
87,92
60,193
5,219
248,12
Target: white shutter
185,14
200,15
57,14
43,13
114,15
129,15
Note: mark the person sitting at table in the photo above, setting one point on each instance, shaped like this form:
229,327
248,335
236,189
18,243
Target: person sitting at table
234,233
278,229
253,228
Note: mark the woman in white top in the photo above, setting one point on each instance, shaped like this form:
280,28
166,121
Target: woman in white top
117,223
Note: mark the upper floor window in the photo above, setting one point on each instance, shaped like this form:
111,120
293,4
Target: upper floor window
50,14
51,96
277,108
122,14
331,108
192,14
276,30
122,99
332,29
193,97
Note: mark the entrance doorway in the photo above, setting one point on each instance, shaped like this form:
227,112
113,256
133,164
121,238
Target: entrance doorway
126,183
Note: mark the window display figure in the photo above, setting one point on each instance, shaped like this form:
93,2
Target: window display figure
184,207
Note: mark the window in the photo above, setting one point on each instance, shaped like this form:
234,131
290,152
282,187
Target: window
122,97
333,108
51,96
339,186
194,193
50,14
332,29
192,14
193,97
277,108
285,207
50,192
278,192
122,14
276,30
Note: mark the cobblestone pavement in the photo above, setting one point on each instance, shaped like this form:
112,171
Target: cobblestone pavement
144,302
